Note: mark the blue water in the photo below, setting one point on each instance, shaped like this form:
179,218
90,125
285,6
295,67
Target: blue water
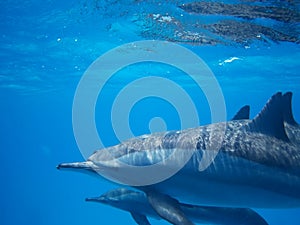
45,48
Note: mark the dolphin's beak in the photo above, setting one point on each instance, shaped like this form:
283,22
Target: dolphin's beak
87,166
75,165
100,199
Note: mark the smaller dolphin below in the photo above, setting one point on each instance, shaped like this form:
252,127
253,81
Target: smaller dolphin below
137,204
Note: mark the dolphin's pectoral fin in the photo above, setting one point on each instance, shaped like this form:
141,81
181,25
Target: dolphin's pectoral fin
168,208
243,113
140,219
270,120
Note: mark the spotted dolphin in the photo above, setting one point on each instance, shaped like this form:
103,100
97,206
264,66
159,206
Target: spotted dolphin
257,166
137,204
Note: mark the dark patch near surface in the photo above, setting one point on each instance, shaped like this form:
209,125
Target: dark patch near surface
245,32
228,24
243,11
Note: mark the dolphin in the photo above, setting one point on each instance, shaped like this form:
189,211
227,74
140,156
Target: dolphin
256,166
137,204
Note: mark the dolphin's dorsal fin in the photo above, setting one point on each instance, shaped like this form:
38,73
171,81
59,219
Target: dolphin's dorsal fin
242,114
270,120
287,110
140,219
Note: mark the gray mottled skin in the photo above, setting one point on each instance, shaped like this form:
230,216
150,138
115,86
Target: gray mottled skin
257,165
137,204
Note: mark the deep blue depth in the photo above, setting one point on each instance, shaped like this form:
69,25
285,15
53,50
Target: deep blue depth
45,47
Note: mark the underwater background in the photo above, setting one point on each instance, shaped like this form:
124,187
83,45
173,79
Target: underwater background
45,47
